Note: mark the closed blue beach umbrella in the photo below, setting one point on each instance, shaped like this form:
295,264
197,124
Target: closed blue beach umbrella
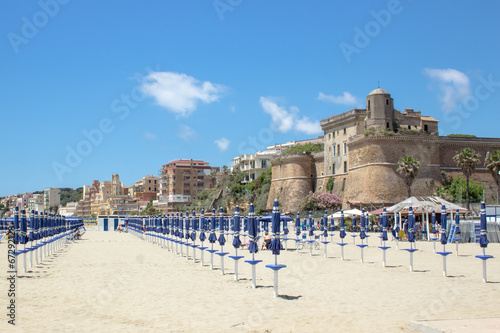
342,225
222,239
411,225
362,233
237,227
252,230
310,223
212,238
483,240
297,224
444,240
275,245
202,226
384,225
433,220
457,223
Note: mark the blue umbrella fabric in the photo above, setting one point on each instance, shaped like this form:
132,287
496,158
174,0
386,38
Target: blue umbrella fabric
342,225
252,230
325,224
297,225
433,219
212,238
311,224
275,245
443,225
457,223
354,224
483,240
202,226
411,225
384,224
362,233
222,239
236,228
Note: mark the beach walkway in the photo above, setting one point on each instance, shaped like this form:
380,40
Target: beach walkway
111,281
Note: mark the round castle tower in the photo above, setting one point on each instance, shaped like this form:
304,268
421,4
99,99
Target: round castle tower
379,111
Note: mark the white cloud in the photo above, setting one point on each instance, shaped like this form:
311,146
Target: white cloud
149,136
186,133
282,119
307,126
222,143
453,86
346,98
180,93
285,120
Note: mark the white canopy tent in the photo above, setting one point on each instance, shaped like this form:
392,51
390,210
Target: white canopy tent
347,213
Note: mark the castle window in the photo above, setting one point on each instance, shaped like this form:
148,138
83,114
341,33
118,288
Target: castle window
338,150
345,130
345,167
345,147
387,125
368,105
426,129
330,136
333,155
409,126
387,101
333,168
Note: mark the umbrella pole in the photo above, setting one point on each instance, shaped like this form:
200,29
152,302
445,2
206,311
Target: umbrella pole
202,251
222,261
187,250
342,253
383,256
361,247
411,257
457,247
236,265
212,257
254,280
434,246
325,251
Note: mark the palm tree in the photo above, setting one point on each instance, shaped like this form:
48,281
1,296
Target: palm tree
467,160
492,162
408,167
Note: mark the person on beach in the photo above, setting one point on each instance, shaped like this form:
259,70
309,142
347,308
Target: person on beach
267,241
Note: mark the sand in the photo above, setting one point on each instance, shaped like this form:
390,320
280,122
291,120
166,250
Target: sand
116,282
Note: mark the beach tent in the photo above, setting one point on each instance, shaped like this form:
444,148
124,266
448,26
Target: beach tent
347,213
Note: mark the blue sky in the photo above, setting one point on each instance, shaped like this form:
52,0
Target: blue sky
91,88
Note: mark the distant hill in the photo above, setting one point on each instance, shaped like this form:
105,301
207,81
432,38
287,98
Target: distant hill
70,195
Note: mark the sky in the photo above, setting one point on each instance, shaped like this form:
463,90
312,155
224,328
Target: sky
91,88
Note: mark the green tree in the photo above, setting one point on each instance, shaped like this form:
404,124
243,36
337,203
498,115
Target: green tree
308,147
467,160
408,167
492,162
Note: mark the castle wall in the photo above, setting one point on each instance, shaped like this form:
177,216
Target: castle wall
292,180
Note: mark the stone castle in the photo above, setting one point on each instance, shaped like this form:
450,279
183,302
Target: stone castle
362,148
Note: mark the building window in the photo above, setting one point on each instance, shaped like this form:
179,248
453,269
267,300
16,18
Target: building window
368,105
387,101
330,136
345,130
426,129
387,125
345,167
409,126
338,150
149,181
333,168
345,147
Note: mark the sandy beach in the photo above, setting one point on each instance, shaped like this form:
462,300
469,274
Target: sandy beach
116,282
